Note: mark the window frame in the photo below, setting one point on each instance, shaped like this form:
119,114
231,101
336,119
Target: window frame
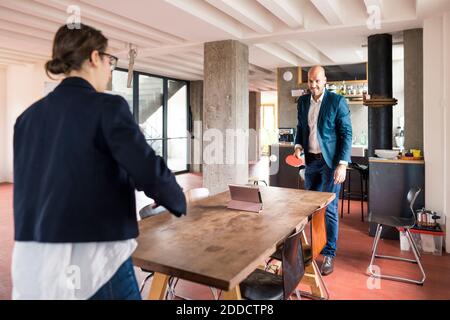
135,108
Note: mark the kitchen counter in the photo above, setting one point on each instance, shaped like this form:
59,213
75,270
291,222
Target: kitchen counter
389,183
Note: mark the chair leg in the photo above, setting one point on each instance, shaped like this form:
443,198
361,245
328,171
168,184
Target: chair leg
323,287
349,191
342,200
374,246
362,197
214,292
417,256
415,245
390,277
145,281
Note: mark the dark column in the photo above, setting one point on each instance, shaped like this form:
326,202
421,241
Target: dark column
380,84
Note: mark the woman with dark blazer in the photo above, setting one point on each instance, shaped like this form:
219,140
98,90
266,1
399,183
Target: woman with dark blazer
78,158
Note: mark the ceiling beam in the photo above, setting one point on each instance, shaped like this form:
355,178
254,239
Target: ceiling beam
257,68
118,21
288,11
8,55
181,61
331,10
29,31
155,62
206,12
279,52
42,23
162,71
13,61
304,50
13,35
26,55
173,49
247,12
60,17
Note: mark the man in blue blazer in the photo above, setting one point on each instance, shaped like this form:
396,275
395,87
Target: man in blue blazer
324,132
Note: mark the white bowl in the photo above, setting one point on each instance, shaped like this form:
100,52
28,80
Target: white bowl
386,154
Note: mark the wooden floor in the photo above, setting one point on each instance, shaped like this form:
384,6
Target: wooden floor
349,280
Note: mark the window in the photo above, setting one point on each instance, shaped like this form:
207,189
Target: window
119,86
160,107
177,135
151,104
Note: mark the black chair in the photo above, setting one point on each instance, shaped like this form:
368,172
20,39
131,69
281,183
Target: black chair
404,223
346,192
263,285
311,251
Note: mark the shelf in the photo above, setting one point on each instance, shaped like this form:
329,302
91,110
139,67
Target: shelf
379,102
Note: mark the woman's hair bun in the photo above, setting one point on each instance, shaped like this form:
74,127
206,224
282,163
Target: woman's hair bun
57,66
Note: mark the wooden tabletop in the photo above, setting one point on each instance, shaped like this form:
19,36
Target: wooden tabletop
219,247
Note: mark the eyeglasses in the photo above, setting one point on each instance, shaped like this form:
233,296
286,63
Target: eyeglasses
112,60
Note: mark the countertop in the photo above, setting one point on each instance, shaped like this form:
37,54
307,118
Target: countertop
380,160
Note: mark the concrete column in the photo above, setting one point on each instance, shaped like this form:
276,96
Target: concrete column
225,115
287,107
254,125
413,51
196,104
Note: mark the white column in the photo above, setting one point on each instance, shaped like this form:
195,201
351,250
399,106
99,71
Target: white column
437,116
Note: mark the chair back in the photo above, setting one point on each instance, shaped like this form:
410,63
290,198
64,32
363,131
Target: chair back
293,263
318,232
196,194
148,211
413,193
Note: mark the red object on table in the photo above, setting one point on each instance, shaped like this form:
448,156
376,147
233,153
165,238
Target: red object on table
294,161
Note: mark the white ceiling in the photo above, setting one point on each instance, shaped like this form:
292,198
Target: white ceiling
169,34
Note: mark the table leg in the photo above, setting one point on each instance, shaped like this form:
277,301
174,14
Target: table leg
159,287
233,294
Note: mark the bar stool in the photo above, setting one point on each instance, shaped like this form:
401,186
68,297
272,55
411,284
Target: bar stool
363,171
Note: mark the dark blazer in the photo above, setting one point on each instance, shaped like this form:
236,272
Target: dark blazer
334,127
78,157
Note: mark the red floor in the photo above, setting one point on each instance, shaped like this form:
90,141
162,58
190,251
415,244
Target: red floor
348,281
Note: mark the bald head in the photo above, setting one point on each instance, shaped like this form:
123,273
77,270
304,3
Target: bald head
316,81
316,71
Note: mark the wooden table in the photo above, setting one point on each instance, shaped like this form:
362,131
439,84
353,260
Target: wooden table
219,247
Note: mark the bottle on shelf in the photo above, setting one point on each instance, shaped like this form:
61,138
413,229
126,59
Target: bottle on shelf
363,139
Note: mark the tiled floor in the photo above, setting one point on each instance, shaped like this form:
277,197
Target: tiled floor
348,281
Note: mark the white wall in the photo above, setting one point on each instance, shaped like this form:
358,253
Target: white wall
24,85
2,124
436,46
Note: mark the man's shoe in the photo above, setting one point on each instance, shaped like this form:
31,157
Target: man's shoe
327,266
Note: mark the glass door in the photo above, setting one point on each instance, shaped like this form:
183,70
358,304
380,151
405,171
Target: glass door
151,110
177,125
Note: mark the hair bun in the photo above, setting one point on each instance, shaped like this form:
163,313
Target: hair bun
57,66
